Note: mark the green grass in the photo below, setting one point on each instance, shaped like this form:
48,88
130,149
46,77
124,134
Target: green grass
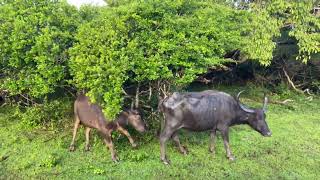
293,152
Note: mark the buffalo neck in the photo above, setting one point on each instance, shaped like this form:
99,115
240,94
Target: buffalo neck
122,119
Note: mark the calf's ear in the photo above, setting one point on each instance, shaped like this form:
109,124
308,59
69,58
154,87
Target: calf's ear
125,113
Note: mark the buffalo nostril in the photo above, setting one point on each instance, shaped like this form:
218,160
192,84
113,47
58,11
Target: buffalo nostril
269,134
142,129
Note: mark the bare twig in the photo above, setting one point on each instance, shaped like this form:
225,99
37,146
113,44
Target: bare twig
124,92
137,96
159,90
203,80
307,91
143,92
302,84
310,98
70,92
285,102
150,92
146,106
28,99
163,92
290,82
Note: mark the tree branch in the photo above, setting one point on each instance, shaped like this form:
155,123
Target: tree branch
28,99
290,82
137,96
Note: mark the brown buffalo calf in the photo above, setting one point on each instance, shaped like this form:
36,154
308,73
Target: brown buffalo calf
91,116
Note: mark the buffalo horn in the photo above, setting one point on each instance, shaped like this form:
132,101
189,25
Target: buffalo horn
265,104
248,110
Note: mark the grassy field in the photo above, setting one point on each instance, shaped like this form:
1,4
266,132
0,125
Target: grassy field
293,152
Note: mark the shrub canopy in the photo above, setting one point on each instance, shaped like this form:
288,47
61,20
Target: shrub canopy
34,39
163,40
49,44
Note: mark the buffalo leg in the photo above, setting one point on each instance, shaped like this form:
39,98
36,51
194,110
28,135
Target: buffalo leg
87,147
164,136
212,141
225,136
76,126
126,133
175,138
108,141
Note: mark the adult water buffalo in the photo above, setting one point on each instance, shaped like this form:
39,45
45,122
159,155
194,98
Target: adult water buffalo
91,116
207,110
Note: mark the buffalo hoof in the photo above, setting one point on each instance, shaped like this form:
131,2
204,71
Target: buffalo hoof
71,148
87,148
165,161
231,158
134,145
184,151
115,159
212,150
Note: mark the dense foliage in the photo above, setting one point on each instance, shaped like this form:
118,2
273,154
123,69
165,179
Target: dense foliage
156,45
34,39
301,20
163,40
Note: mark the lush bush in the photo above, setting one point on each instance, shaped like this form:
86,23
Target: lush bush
167,41
296,16
305,25
155,45
34,39
49,114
